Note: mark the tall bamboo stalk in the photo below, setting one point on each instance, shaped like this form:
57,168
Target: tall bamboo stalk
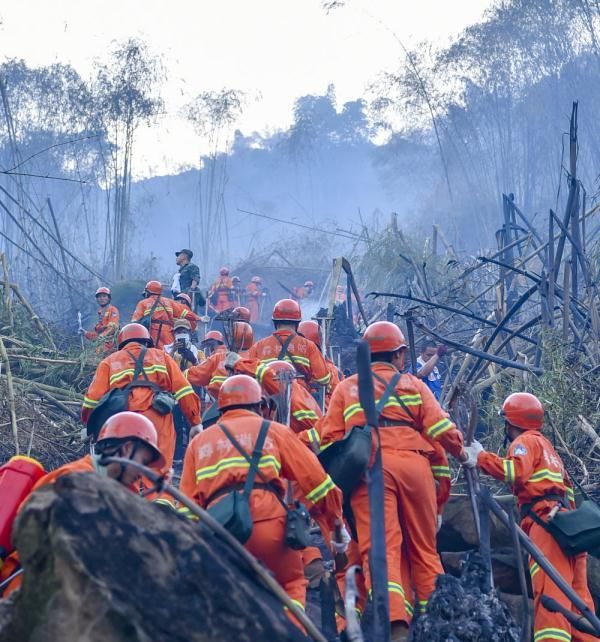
10,397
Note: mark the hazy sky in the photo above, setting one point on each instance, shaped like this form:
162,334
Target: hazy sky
275,50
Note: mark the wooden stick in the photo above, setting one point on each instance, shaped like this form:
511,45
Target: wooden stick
10,395
7,298
68,362
34,317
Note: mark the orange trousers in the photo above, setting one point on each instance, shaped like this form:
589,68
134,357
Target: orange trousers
410,518
267,543
167,436
553,626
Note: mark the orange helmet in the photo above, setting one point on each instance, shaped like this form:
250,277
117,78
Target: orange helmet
134,332
256,279
523,410
310,330
384,336
215,335
309,284
102,290
243,336
132,425
280,366
241,314
239,390
287,310
224,271
153,287
184,297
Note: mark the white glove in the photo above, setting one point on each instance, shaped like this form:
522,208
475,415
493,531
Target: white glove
230,360
439,524
205,319
472,453
341,547
196,430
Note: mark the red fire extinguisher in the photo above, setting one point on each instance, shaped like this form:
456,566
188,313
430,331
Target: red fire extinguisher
17,478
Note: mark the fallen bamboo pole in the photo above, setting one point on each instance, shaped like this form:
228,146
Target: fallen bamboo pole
7,299
34,317
10,396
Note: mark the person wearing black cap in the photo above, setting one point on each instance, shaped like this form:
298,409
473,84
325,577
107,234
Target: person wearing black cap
187,279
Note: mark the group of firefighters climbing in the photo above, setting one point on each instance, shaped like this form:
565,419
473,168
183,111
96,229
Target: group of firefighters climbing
279,402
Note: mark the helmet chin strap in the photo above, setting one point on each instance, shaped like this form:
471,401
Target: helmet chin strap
103,470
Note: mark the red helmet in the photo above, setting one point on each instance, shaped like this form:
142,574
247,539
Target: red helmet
523,410
184,297
243,336
309,284
215,335
310,330
102,290
280,366
153,287
132,425
241,314
256,279
224,271
239,390
287,310
134,332
383,336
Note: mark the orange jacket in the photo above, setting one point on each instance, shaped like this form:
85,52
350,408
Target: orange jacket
430,420
299,293
205,373
441,473
161,327
301,352
106,328
212,463
221,294
116,371
253,295
192,317
304,410
220,374
532,468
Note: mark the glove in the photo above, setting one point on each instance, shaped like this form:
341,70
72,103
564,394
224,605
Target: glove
439,523
472,453
230,360
205,319
341,547
441,350
195,430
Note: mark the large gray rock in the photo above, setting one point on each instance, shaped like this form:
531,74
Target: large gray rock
103,565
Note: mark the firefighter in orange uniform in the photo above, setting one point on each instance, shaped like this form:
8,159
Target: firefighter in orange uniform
187,312
212,467
202,374
285,344
254,294
304,291
410,416
538,478
241,340
220,293
158,313
159,370
126,434
311,331
107,328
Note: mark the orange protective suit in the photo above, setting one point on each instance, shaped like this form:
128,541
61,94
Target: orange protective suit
299,293
301,352
253,297
192,317
533,469
161,323
410,493
212,464
206,373
116,371
106,330
221,294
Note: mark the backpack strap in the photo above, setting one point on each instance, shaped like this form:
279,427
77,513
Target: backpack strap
284,347
254,460
395,379
138,364
387,393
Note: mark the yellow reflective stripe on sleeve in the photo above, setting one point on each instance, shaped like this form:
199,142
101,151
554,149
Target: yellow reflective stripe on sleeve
318,493
260,371
165,502
208,472
90,403
509,470
297,603
439,428
184,314
303,361
551,634
314,437
440,471
183,392
570,494
117,376
545,474
351,410
324,380
326,446
422,606
533,569
217,379
184,511
305,414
